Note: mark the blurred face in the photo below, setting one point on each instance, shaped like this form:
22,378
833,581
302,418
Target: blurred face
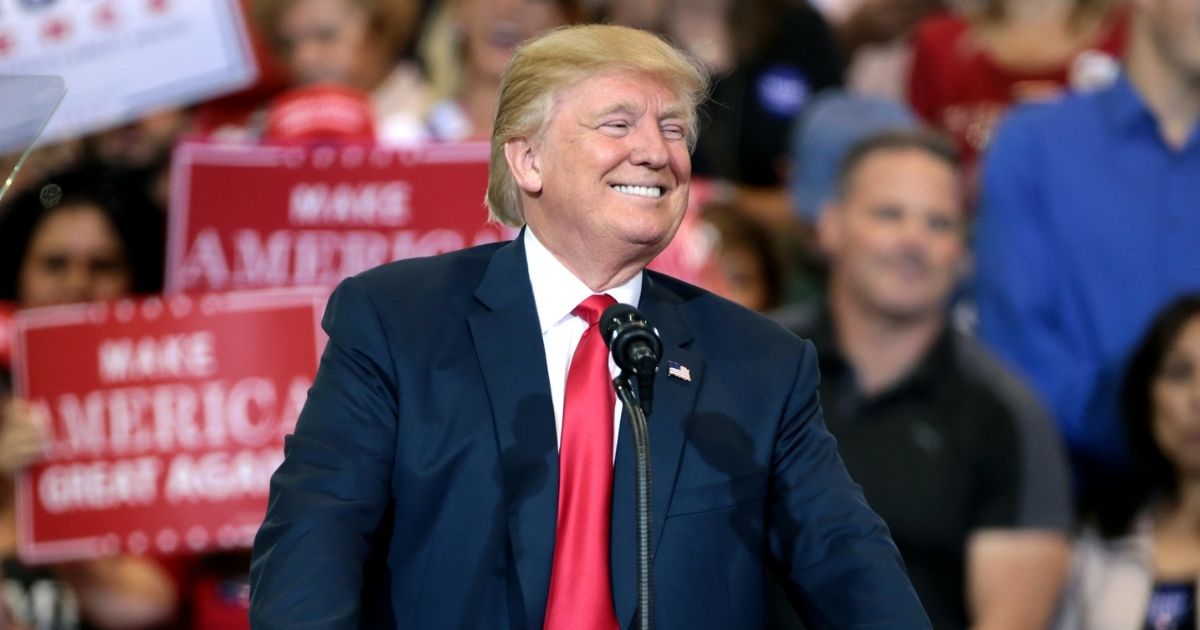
701,27
1176,400
331,41
493,28
896,241
75,255
744,277
1175,27
611,170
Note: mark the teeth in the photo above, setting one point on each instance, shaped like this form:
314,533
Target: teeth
654,192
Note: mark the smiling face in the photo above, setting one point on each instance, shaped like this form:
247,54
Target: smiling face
493,29
1176,401
607,179
332,41
896,239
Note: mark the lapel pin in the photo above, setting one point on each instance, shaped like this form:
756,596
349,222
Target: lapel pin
679,371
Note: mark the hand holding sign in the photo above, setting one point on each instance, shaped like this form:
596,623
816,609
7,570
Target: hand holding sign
21,441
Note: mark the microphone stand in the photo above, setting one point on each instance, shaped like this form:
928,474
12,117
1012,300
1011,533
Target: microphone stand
641,447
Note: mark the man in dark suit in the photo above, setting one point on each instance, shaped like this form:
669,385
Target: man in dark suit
460,461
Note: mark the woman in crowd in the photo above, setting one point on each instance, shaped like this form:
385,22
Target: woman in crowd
748,268
1138,568
969,67
355,44
69,239
467,44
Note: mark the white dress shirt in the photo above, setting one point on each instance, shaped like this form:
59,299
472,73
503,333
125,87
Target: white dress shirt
556,292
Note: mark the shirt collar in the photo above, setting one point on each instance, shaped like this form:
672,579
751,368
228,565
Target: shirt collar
924,379
1128,112
556,291
1125,106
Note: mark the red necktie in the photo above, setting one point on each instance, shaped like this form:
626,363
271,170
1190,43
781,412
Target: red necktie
580,589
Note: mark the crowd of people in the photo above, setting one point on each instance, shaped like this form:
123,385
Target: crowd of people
985,215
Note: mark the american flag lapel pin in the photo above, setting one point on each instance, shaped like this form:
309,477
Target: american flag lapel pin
679,371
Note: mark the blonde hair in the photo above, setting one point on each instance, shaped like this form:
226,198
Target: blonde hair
544,67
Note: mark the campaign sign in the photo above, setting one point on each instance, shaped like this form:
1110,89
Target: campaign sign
123,59
267,216
163,419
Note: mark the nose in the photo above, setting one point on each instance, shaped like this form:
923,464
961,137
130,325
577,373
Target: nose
76,283
305,58
650,148
913,231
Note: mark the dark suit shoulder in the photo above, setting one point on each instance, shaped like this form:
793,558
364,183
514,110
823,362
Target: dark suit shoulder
432,284
431,273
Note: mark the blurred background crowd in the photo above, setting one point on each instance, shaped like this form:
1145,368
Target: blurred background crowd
984,213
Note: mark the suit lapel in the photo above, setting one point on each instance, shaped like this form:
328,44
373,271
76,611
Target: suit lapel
674,399
509,345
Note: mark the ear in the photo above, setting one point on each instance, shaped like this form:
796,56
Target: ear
524,164
829,228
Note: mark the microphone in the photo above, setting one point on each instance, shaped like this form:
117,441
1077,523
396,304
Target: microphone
635,347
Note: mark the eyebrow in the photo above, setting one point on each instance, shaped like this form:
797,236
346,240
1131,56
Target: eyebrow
673,111
626,107
623,107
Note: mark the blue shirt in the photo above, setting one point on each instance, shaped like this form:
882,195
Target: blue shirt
1089,224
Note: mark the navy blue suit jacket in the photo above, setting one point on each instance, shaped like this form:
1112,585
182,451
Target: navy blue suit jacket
420,487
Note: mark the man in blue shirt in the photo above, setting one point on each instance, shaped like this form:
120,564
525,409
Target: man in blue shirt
1090,222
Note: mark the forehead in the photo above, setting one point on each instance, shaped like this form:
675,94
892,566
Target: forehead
904,168
1188,338
300,13
73,219
615,91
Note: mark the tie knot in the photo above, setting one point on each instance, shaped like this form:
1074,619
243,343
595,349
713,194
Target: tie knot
590,309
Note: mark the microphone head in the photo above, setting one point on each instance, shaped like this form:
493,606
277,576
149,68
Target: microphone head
634,343
616,316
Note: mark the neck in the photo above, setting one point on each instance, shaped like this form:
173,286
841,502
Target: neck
1036,11
478,100
1185,511
1173,96
598,274
378,71
881,349
600,271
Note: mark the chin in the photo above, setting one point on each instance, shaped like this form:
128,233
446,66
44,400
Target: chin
658,242
647,232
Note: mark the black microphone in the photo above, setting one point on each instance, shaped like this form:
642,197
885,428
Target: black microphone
635,347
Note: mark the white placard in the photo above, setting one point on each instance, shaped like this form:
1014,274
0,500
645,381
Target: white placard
122,59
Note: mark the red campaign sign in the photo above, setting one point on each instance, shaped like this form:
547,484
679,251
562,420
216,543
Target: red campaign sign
269,216
163,417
